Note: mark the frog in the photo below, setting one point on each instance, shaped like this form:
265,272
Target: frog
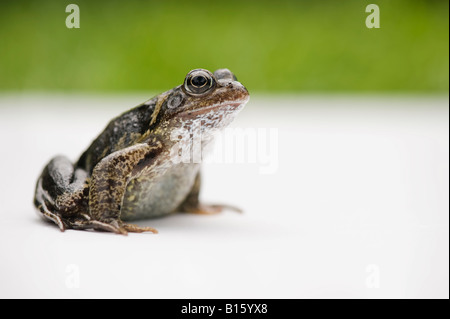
135,168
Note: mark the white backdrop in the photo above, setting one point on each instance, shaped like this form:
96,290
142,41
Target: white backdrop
355,205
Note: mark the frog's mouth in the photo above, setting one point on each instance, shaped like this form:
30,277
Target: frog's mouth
217,108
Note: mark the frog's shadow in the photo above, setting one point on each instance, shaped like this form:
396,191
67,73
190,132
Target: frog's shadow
177,221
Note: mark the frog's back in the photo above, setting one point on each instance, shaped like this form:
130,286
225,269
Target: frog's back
121,132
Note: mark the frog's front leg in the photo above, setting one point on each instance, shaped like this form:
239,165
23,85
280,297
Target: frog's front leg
108,185
193,205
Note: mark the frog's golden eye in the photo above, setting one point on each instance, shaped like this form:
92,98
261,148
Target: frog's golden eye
198,82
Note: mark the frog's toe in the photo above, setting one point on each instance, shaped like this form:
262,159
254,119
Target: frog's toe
47,214
112,227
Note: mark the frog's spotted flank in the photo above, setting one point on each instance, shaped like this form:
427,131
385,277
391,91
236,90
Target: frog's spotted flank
129,171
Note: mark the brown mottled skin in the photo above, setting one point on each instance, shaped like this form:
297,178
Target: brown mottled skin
132,170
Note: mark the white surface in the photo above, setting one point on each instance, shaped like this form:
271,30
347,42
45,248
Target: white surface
358,207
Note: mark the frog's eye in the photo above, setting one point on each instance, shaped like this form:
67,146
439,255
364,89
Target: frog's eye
199,82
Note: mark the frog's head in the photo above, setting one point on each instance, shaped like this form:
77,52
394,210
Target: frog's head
205,99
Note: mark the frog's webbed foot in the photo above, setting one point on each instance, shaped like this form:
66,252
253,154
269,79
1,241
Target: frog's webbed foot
97,225
204,209
132,228
193,205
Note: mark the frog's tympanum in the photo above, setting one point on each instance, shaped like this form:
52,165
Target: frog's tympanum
132,170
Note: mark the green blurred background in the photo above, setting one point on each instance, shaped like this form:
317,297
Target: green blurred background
272,46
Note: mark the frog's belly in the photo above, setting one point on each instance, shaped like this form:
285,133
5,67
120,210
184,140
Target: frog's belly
153,197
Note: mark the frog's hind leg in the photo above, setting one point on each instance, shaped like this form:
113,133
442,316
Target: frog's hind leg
59,193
